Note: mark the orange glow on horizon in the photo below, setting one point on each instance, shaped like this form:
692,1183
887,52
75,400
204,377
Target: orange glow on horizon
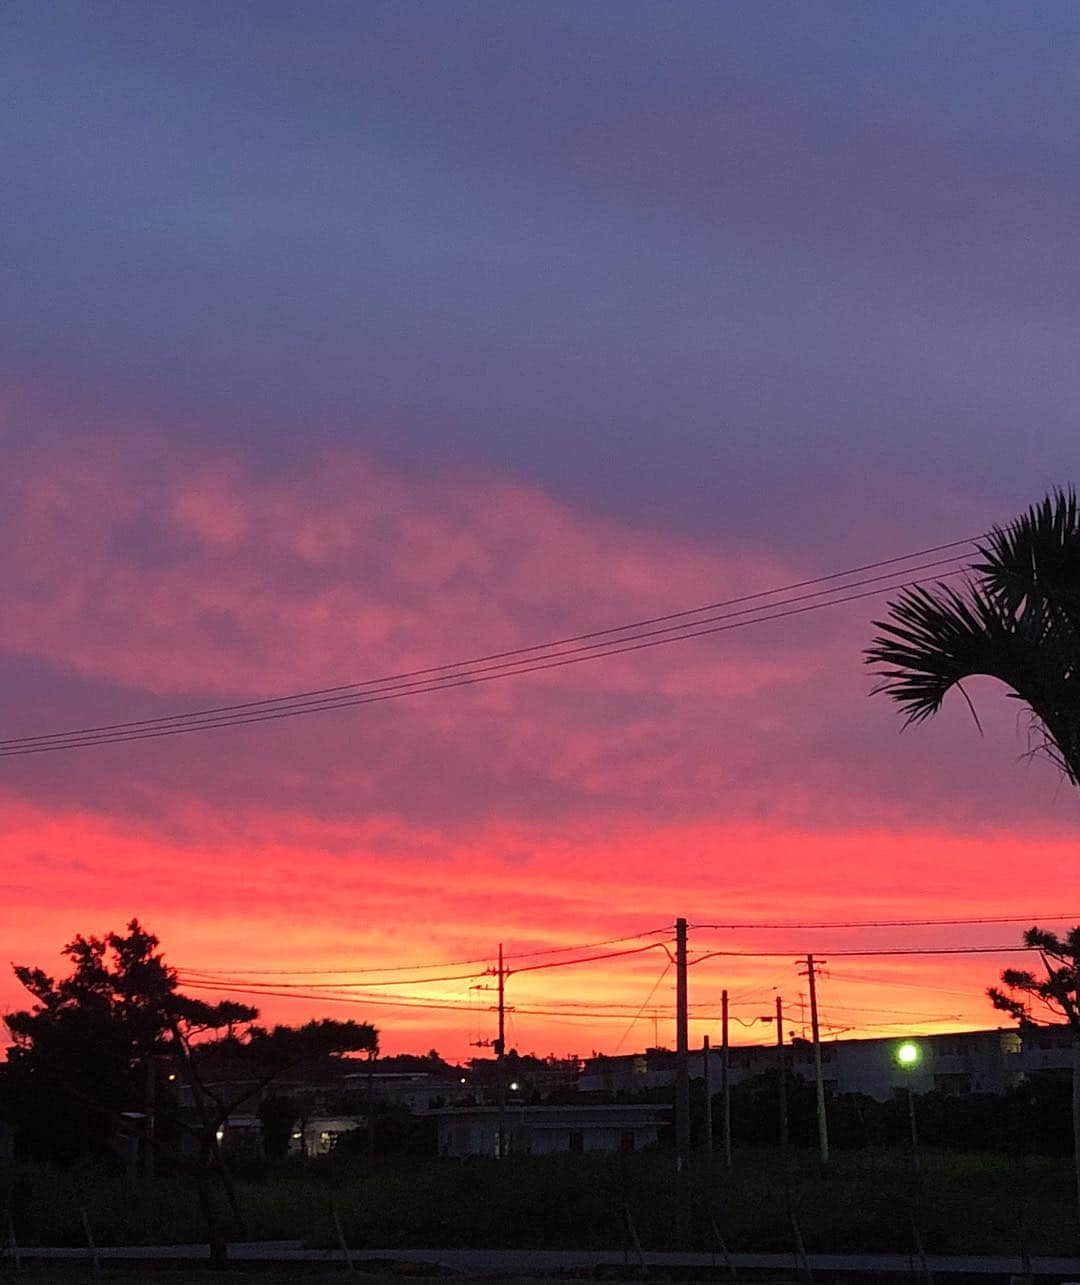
292,904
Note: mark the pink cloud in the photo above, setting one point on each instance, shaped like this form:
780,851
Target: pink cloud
347,569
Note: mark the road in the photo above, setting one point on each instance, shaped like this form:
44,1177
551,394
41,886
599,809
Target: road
508,1263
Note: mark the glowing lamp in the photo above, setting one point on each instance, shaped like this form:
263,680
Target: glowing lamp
908,1054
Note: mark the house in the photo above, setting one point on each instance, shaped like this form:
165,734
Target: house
544,1130
990,1061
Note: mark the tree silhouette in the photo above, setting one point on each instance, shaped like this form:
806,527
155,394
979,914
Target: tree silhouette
1057,993
84,1053
1057,996
1017,621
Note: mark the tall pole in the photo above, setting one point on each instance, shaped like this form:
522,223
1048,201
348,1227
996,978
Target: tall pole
815,1030
781,1073
372,1054
914,1129
500,1068
725,1077
682,1093
706,1058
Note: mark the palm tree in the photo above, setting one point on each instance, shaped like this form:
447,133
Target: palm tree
1018,621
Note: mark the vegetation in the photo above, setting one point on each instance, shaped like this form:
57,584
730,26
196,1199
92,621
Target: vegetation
98,1054
1018,621
863,1203
1056,996
93,1044
1057,992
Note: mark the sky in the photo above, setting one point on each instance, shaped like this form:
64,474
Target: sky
338,340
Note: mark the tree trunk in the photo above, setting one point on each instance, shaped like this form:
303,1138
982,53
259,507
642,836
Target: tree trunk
208,1158
239,1221
214,1234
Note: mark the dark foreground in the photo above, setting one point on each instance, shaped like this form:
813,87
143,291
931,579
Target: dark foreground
866,1202
276,1262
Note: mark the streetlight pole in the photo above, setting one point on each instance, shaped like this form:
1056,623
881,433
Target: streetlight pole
914,1130
909,1055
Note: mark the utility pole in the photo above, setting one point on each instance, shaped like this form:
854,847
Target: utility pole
706,1058
781,1073
682,1092
725,1077
498,1046
815,1030
500,1053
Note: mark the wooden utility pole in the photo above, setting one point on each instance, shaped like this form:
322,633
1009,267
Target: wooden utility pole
781,1073
706,1058
498,1046
815,1031
500,1066
682,1092
725,1077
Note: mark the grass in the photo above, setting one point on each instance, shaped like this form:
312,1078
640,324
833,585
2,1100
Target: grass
864,1202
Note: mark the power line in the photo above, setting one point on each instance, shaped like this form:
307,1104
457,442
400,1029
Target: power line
614,1008
416,1003
903,950
617,1009
225,988
506,654
198,975
615,954
897,1012
471,673
852,1008
402,968
871,979
178,724
192,977
638,1015
309,991
900,1026
897,923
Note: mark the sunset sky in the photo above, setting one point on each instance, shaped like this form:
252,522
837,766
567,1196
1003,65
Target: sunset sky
339,340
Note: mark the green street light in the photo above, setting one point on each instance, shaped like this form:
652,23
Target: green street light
908,1054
